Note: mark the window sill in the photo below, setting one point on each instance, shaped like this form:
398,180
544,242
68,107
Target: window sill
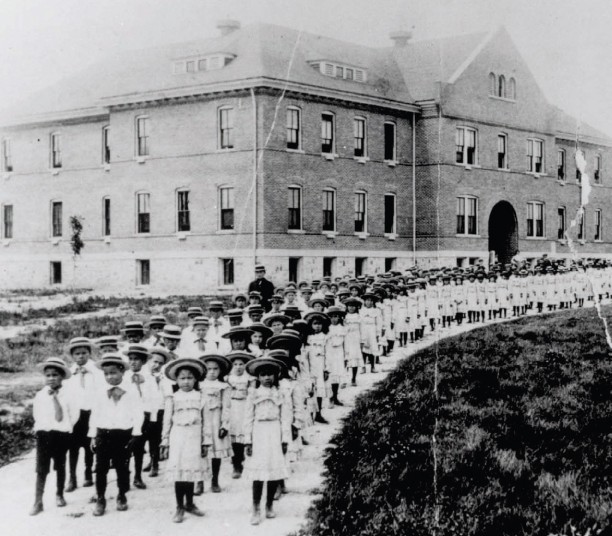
362,236
582,241
535,175
55,171
6,242
536,238
106,167
598,241
224,231
226,287
391,163
226,150
560,182
504,99
141,159
296,231
329,156
55,240
468,167
107,239
6,175
465,235
562,241
182,235
391,236
503,169
330,234
361,159
298,151
143,234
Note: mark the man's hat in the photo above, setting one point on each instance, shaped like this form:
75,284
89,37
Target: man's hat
57,363
240,296
195,365
107,340
195,311
157,320
139,350
215,305
292,311
234,313
112,359
171,332
201,321
260,268
160,350
79,342
133,326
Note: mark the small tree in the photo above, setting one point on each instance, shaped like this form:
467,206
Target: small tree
76,243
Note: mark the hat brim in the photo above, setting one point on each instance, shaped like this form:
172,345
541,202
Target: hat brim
222,361
239,356
242,332
112,360
169,336
281,318
310,317
144,356
160,351
257,364
171,369
58,366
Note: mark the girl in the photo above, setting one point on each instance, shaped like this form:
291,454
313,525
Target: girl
267,430
352,341
315,356
276,322
259,338
334,351
218,409
371,329
186,434
240,382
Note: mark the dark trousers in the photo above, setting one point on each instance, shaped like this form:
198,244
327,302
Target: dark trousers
78,441
153,436
238,457
52,445
112,445
139,445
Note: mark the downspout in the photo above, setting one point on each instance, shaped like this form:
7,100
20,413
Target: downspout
254,103
413,191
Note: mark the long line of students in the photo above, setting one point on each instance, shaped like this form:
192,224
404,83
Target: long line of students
250,384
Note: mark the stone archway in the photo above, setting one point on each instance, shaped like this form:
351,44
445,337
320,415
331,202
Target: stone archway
503,232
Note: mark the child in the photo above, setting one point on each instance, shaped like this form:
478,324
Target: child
239,382
267,433
276,322
218,411
54,417
259,338
315,355
116,421
171,336
186,436
352,341
197,344
334,351
133,332
236,339
85,380
371,329
156,325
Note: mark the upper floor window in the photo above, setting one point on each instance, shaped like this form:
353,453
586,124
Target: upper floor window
183,214
293,128
295,208
142,136
226,202
329,210
492,84
502,151
467,215
106,216
581,230
501,86
390,214
598,233
597,170
512,89
56,218
561,223
226,271
390,142
535,155
561,164
361,207
106,154
359,133
535,219
340,71
465,142
202,63
144,212
7,221
7,157
327,133
226,128
56,151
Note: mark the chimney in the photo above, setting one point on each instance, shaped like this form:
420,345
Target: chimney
400,38
227,26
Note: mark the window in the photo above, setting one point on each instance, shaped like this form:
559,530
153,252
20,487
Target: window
598,235
144,212
512,89
578,176
329,210
184,223
56,154
294,268
359,127
106,155
295,208
143,268
226,202
492,84
465,140
227,271
467,215
293,128
56,273
535,219
106,216
502,151
561,164
390,263
56,218
327,133
226,128
360,263
501,86
581,230
390,142
561,223
597,170
190,66
390,218
142,136
7,157
361,205
534,155
340,71
328,266
7,221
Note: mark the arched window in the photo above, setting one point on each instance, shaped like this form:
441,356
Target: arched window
512,89
492,84
501,86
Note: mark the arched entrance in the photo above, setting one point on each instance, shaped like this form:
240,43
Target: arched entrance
503,232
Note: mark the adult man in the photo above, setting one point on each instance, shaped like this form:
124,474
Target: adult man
263,286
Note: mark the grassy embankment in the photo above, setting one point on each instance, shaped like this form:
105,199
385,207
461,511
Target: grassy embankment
523,438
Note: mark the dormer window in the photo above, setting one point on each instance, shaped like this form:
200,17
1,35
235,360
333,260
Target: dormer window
202,63
338,70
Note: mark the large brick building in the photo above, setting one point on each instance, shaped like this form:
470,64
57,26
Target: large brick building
187,163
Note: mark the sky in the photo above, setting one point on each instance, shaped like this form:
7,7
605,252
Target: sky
566,43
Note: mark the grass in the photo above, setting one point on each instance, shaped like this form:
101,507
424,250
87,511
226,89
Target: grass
523,438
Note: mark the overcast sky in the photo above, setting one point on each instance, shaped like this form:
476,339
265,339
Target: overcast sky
567,43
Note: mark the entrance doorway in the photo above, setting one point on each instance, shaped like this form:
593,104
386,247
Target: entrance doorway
503,232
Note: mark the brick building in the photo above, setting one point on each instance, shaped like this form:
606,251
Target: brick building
185,163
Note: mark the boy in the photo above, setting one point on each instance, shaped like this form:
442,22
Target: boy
218,324
116,420
85,379
192,314
156,325
133,332
198,344
54,417
171,336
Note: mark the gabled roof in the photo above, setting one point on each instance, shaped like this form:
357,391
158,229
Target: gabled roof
570,128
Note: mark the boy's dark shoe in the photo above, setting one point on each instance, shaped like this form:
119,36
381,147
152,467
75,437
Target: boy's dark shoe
122,505
60,501
37,508
194,510
99,508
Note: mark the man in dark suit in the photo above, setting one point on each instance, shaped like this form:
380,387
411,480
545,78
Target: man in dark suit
263,286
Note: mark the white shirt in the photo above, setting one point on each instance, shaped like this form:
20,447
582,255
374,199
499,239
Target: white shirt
148,391
83,385
190,347
215,331
124,414
44,411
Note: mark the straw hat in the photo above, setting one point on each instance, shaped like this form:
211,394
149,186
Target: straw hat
255,365
222,361
138,350
243,356
80,342
112,359
195,365
57,363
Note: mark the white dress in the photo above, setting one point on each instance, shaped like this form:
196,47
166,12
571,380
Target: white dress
217,413
352,341
239,389
334,353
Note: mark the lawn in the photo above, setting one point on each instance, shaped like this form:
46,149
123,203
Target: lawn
522,421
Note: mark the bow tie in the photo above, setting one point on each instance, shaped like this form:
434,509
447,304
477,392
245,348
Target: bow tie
115,393
138,379
54,392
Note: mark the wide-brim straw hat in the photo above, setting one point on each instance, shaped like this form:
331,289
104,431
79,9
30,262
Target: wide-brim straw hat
112,359
285,341
171,369
222,361
236,356
256,365
261,328
80,342
107,340
138,349
56,363
279,317
335,310
157,320
159,350
315,315
238,332
133,327
353,301
171,332
314,301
